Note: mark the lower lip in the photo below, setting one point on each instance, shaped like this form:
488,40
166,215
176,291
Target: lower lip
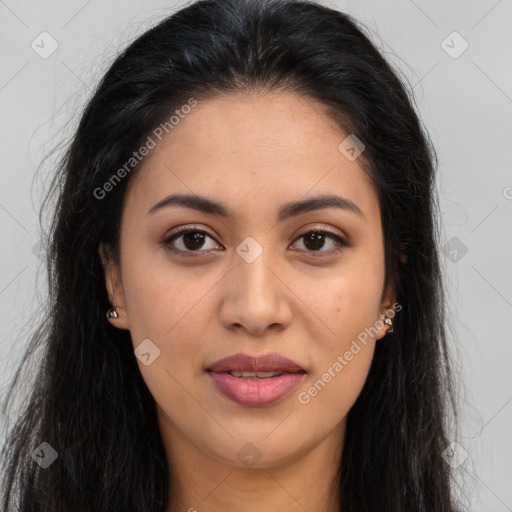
256,392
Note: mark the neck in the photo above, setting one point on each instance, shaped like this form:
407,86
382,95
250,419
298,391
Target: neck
203,483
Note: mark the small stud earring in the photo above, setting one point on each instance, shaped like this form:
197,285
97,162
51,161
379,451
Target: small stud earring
112,313
390,323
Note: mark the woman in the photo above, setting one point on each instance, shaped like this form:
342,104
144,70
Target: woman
246,303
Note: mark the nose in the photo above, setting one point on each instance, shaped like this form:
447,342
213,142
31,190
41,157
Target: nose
256,298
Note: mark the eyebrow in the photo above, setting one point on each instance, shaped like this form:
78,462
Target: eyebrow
288,210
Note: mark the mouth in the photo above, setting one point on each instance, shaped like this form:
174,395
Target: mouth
255,381
259,366
246,375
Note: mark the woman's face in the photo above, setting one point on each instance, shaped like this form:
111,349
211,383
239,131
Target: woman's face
252,283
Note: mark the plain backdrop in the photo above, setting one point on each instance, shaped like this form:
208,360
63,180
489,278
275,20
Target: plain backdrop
456,56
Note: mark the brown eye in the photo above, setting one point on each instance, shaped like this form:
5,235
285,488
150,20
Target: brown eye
314,240
193,240
189,240
317,240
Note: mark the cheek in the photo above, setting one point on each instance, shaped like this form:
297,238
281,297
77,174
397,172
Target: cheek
330,394
348,305
349,300
343,358
169,307
356,309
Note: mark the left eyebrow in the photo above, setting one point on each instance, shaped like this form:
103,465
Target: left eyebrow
317,203
286,211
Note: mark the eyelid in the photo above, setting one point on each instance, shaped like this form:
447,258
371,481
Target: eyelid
320,228
186,228
342,241
181,230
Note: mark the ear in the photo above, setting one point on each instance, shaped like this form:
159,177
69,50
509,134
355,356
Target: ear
114,286
388,309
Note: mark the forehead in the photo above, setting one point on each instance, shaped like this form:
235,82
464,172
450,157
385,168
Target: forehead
249,148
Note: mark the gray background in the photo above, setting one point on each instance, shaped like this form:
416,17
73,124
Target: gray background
465,101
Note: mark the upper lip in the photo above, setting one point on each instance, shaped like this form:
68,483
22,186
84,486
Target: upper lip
261,363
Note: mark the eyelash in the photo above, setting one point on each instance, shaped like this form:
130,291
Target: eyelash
341,242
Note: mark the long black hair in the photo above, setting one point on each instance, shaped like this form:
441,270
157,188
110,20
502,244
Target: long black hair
89,402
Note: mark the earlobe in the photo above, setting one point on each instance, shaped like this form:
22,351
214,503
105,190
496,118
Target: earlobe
117,319
388,311
385,323
116,314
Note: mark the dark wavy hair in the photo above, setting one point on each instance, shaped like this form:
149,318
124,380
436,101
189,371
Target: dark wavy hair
89,401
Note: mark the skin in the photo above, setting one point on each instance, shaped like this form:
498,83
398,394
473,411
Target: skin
253,152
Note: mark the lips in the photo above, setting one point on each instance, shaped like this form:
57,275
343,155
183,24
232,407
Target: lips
264,363
256,381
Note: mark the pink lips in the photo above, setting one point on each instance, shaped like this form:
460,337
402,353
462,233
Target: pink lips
256,391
